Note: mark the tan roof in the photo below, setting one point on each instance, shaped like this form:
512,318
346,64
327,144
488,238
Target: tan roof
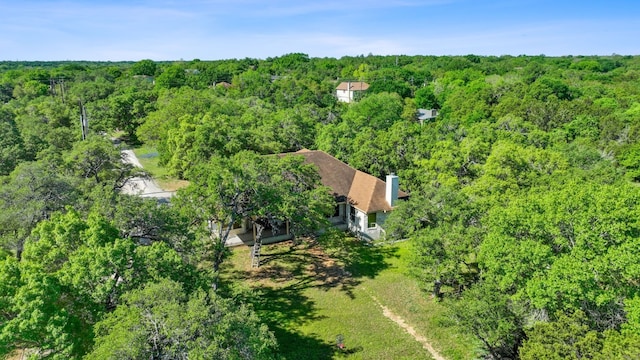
355,85
365,192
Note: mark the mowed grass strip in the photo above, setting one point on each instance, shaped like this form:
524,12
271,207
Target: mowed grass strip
148,157
310,295
402,295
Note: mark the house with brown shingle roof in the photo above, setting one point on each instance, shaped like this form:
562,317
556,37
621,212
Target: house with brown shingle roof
350,91
363,201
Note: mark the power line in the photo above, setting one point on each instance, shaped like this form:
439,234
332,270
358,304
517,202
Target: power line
53,87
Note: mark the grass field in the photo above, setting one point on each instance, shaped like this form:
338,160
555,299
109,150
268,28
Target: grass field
309,295
148,157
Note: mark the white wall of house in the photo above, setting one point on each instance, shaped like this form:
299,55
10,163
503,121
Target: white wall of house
358,222
375,230
344,95
240,227
354,218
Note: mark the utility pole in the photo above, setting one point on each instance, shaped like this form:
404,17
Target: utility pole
53,87
84,124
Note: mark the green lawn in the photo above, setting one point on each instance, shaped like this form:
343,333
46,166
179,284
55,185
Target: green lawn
148,157
308,296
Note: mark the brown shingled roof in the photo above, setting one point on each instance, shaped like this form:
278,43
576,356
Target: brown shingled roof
355,85
364,191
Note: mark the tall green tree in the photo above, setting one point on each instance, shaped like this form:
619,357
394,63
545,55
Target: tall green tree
99,163
162,321
144,67
445,231
495,320
11,144
127,110
172,77
568,337
378,111
74,271
264,189
33,192
567,249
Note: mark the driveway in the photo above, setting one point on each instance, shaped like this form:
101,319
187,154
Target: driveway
143,187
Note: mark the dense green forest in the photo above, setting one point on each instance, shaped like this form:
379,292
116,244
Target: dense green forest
523,215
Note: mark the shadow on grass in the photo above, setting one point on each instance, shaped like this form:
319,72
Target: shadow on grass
283,309
294,346
337,261
350,351
286,271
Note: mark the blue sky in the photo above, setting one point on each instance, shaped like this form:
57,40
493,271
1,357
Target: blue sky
216,29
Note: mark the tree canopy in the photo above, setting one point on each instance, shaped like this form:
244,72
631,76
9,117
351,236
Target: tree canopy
523,193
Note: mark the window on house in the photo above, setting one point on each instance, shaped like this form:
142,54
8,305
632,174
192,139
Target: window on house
336,211
371,220
352,214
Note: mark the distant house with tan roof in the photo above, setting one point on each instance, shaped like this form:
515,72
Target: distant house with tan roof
363,201
350,91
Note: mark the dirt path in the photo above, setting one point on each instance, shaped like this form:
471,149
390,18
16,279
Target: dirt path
408,328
